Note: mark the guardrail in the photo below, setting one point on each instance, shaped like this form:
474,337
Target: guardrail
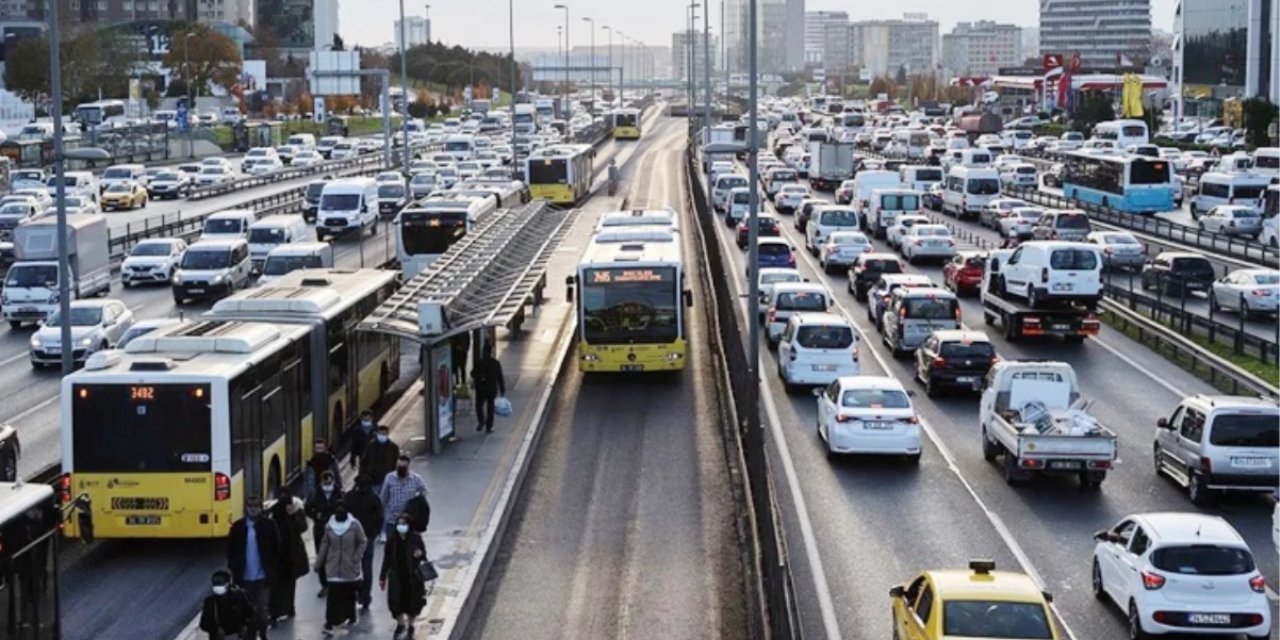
281,175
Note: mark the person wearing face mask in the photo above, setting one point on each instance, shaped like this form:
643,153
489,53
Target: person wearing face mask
322,460
253,549
320,508
379,457
291,521
227,612
398,488
401,577
360,437
365,506
339,558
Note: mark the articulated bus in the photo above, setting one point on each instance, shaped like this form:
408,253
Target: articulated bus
168,436
626,124
1134,184
560,174
632,300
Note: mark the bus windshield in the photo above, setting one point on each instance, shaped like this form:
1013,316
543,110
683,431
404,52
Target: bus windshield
630,305
624,120
154,444
431,233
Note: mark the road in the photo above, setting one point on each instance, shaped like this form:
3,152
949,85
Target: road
875,523
627,526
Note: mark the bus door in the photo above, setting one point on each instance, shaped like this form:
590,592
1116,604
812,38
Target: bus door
246,441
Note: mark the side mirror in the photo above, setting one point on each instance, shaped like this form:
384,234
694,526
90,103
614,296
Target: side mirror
1163,423
896,592
688,298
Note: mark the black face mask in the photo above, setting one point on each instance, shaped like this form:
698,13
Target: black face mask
340,515
402,471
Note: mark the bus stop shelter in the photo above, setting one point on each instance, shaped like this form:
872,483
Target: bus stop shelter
484,281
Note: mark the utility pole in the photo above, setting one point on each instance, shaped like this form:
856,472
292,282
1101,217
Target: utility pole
60,192
753,224
404,89
593,60
610,64
511,21
706,77
622,69
568,112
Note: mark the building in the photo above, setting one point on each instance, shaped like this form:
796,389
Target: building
794,38
326,23
1030,42
416,30
883,47
115,12
680,42
816,24
1224,49
771,34
981,48
1105,33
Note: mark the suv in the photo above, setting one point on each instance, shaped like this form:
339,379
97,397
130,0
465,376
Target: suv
1178,272
959,358
866,271
1220,443
816,349
1072,226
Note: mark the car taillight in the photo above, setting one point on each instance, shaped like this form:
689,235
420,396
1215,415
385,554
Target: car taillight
855,352
1106,250
1152,581
771,315
840,418
1206,465
791,260
910,420
1260,292
1044,274
939,362
1258,584
221,487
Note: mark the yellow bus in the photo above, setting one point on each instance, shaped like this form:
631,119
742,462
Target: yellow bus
632,301
626,124
560,174
168,436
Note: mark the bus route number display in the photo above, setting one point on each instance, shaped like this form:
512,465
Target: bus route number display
142,393
624,276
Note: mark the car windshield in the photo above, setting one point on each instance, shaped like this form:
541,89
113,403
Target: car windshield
80,317
930,308
15,208
31,276
1193,265
849,239
391,191
1203,560
1072,221
874,399
983,186
1245,430
1249,192
979,350
773,249
927,230
782,175
992,619
212,170
151,249
885,265
1073,260
223,225
206,259
266,236
801,301
824,337
772,278
340,202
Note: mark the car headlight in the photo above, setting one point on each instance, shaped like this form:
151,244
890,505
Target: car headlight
219,278
86,341
35,342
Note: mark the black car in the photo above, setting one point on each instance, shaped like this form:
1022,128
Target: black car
311,199
1178,272
10,451
768,226
958,359
804,212
392,197
864,273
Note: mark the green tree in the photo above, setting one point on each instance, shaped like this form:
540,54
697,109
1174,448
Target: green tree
1092,108
92,63
206,57
882,84
901,78
1258,115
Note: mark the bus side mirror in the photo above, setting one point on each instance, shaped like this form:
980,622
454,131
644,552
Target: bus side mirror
688,298
569,281
84,519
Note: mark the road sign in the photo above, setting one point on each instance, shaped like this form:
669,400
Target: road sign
184,117
318,109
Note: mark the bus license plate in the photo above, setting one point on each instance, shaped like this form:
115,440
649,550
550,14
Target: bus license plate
626,368
142,520
1066,465
1209,618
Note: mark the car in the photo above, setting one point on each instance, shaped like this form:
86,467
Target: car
1231,219
393,177
878,295
963,272
306,158
1053,177
866,271
903,225
769,276
286,152
152,260
816,349
787,299
1178,272
996,210
1247,291
803,211
931,198
214,174
788,197
80,205
1215,444
1181,573
1120,250
344,150
1050,272
1270,234
1071,225
841,249
124,195
262,166
95,325
844,193
956,358
169,184
912,313
143,327
1019,222
776,177
927,241
978,603
39,194
868,415
422,184
392,197
767,226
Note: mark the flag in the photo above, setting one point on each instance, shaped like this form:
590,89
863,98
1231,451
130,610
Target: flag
1131,98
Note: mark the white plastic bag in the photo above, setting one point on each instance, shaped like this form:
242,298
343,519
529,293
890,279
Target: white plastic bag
502,406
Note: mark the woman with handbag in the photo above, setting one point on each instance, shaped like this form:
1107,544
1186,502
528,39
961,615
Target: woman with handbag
405,571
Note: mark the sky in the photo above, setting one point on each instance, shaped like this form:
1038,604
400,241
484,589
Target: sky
483,23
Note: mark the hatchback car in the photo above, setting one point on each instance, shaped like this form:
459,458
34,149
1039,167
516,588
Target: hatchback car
954,358
1178,272
868,415
775,252
1247,291
893,235
95,325
878,296
816,349
841,250
963,272
169,184
996,210
978,603
768,277
152,261
767,227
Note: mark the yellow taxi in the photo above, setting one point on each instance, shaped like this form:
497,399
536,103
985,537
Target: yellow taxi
124,195
978,604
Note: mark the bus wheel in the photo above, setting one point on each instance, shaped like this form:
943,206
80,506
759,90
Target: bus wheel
274,480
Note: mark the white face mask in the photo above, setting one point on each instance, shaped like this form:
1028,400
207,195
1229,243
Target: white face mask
328,486
366,423
382,438
219,589
402,528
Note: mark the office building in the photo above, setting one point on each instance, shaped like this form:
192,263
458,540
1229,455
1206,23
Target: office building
883,47
816,25
1225,49
1105,33
680,42
115,12
981,48
794,38
416,30
771,35
326,23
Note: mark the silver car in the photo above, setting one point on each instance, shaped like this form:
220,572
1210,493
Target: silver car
1120,250
95,325
1212,444
1247,291
1232,219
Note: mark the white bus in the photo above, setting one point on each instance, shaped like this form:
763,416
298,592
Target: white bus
1125,133
103,113
426,229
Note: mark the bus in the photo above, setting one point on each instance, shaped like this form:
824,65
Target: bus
426,229
168,436
632,300
1133,184
560,174
103,113
626,124
1125,133
30,517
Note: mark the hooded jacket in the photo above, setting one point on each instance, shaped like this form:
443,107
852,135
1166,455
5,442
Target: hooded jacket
341,550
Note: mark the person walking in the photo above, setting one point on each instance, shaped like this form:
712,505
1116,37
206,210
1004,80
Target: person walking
361,436
461,348
379,457
339,558
401,576
398,488
227,612
322,460
490,384
320,508
365,506
291,522
253,549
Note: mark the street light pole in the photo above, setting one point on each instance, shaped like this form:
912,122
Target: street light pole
691,47
706,76
404,89
592,65
511,21
753,223
622,69
567,111
559,52
609,86
60,193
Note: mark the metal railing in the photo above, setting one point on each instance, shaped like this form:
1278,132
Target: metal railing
281,175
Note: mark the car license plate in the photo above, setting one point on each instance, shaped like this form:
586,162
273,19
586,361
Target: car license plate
1062,286
26,310
877,425
1250,463
824,367
632,367
1060,327
1069,465
195,290
142,520
1209,618
966,379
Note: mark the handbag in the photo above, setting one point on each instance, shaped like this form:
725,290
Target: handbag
502,406
427,570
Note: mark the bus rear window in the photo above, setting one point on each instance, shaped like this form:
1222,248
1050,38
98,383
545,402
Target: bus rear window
1141,172
548,172
150,428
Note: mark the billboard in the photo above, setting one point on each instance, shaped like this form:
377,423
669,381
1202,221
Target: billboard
326,73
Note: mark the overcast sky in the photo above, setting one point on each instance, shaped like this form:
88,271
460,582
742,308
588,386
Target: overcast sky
483,23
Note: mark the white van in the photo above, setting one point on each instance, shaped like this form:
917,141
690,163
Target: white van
887,205
919,177
211,269
725,183
790,298
1218,188
232,224
975,158
968,189
304,140
869,180
347,204
816,349
461,147
298,255
122,174
273,231
1041,271
826,220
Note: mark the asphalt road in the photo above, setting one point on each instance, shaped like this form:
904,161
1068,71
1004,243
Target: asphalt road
876,523
627,526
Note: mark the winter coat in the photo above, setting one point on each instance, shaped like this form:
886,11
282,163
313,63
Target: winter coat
366,507
341,550
268,547
320,506
488,378
293,551
227,614
406,593
379,458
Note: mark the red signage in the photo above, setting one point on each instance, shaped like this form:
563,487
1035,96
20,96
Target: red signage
1052,61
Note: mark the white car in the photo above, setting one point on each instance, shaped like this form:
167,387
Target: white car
1181,573
1021,174
80,204
769,276
868,415
928,241
789,197
816,349
262,166
152,260
344,150
842,249
214,174
95,325
1020,223
392,177
306,158
1232,219
1270,235
904,223
1247,291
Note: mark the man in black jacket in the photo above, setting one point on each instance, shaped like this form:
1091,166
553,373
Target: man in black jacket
227,612
366,507
379,457
487,374
253,555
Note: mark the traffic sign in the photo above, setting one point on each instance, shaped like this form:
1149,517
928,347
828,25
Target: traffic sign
184,117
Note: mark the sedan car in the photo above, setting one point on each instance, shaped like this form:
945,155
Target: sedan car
768,227
1120,249
900,228
1020,223
1231,219
997,209
262,166
928,241
844,194
80,204
1247,291
152,260
306,158
978,603
789,197
124,195
215,174
866,271
963,272
842,249
169,184
95,325
868,415
1178,272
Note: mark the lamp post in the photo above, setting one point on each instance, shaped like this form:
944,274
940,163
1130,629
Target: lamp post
404,90
609,86
60,192
690,47
622,68
511,21
706,77
565,106
592,65
753,222
559,51
186,71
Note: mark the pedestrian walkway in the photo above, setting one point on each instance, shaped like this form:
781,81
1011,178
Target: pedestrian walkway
472,482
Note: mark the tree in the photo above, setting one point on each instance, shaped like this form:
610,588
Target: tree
206,57
1093,107
901,78
92,61
1258,114
882,84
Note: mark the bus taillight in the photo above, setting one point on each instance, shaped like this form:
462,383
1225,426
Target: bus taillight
63,487
221,487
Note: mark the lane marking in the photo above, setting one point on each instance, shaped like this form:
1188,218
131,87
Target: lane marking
31,410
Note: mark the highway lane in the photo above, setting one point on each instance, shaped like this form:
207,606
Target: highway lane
627,526
1050,522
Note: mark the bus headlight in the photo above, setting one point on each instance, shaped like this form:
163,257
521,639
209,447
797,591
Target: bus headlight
673,356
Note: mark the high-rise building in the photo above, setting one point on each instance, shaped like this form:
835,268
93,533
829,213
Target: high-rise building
680,42
794,38
1105,33
815,34
981,48
326,24
883,47
416,30
771,35
1225,49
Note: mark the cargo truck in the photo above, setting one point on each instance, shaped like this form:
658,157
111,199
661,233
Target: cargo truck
830,163
31,284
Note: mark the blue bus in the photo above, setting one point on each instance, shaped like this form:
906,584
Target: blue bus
1133,184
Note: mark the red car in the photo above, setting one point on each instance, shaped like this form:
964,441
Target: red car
768,227
963,274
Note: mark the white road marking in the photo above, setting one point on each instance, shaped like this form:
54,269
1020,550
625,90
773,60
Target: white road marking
33,409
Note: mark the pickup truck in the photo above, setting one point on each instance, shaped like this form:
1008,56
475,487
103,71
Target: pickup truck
1062,440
